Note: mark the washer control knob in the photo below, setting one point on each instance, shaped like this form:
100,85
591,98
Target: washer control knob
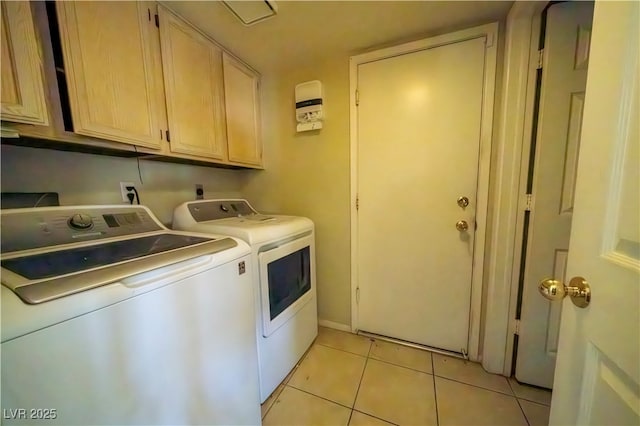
80,221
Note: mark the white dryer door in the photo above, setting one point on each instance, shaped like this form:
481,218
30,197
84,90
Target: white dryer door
287,281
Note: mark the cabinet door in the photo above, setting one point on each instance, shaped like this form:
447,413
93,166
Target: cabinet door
192,67
22,95
109,63
242,105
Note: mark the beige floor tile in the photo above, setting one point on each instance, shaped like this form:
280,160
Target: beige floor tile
264,408
401,355
330,373
469,372
294,407
537,414
460,404
397,394
361,419
344,341
541,396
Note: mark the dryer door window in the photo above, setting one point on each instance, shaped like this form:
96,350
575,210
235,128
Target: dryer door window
287,276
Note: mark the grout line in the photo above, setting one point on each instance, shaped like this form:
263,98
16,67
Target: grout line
275,399
366,361
435,392
525,398
475,386
321,397
375,417
523,413
401,366
350,415
341,350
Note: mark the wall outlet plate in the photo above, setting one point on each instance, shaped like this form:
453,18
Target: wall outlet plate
123,190
199,191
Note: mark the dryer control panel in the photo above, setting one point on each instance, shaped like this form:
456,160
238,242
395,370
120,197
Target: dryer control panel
203,211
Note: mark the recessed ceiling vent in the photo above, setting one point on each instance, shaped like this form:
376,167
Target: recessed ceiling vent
252,11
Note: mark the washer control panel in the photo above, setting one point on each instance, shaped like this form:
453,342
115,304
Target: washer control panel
24,229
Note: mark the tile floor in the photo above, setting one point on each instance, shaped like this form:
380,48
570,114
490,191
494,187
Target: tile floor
345,379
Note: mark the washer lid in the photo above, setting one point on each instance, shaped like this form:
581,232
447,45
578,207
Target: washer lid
41,277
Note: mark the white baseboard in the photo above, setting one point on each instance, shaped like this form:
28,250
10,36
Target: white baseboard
334,325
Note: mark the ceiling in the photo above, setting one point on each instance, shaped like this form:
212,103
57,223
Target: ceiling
307,31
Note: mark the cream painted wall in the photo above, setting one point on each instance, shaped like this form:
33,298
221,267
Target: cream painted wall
307,174
95,179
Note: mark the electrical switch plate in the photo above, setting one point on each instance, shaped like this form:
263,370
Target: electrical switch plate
123,190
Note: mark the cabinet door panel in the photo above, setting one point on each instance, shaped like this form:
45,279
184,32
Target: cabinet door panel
192,67
109,64
242,104
23,98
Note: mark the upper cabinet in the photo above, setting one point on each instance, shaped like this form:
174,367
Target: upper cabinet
242,106
22,96
192,66
113,70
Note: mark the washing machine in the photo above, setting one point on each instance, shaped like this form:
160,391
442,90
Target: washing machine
110,318
284,276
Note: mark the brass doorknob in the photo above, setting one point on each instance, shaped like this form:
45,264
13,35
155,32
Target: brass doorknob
578,290
462,225
463,201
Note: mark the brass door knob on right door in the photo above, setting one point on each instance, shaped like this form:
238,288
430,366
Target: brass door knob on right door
463,201
578,290
462,225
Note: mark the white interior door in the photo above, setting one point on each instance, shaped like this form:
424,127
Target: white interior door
597,379
419,126
564,78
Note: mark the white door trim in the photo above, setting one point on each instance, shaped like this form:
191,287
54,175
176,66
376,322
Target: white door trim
490,32
514,142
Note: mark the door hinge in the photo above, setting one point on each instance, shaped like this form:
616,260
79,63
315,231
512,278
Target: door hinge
168,137
540,59
357,294
517,327
157,21
357,97
149,13
528,202
357,202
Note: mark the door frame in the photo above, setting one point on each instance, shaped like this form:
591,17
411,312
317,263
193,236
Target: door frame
490,32
513,152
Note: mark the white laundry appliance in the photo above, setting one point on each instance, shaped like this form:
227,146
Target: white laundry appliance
110,318
283,254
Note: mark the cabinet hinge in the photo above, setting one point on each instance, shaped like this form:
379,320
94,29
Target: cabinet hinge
528,202
357,294
517,328
488,40
167,135
357,97
157,21
540,59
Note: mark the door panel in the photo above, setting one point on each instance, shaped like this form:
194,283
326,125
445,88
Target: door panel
22,93
564,77
597,379
109,63
419,119
242,104
192,66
